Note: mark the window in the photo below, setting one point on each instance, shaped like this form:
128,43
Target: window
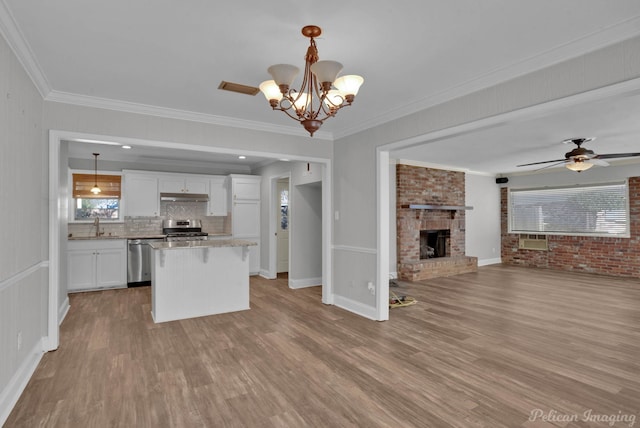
105,205
284,209
594,210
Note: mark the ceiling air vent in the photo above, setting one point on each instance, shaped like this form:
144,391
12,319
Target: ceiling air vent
237,87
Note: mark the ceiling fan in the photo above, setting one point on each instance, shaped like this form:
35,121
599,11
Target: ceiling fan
580,159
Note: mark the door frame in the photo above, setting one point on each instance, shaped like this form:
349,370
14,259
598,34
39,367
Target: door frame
57,244
272,272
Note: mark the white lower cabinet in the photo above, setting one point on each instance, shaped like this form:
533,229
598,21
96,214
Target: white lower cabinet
95,264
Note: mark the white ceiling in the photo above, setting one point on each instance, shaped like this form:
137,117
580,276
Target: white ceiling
171,56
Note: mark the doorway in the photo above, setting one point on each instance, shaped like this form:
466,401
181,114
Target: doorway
282,226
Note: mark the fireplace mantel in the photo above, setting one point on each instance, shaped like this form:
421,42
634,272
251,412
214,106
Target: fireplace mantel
437,207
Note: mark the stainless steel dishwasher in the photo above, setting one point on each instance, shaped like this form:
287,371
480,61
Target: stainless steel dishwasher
139,261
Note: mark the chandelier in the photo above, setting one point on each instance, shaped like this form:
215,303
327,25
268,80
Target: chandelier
321,94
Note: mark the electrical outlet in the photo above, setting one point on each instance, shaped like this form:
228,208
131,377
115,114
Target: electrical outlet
371,287
19,340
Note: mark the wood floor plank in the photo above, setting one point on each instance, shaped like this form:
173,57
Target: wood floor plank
478,350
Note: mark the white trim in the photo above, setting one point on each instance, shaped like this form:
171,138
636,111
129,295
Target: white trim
23,274
614,34
55,205
18,382
383,235
22,50
486,262
327,234
266,274
170,113
627,87
63,310
393,275
352,249
356,307
55,138
305,282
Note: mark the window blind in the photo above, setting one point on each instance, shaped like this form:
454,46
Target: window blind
109,184
599,210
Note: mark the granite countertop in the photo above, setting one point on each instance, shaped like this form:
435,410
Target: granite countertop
218,243
78,237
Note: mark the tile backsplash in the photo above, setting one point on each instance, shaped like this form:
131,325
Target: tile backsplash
153,225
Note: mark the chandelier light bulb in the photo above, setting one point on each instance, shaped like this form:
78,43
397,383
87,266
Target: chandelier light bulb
349,85
270,90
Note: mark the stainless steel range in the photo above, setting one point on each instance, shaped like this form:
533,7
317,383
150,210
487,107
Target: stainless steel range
183,230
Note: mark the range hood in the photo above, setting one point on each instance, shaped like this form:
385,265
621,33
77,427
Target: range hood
184,197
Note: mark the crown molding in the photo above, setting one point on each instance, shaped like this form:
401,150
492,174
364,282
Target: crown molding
149,110
592,42
21,49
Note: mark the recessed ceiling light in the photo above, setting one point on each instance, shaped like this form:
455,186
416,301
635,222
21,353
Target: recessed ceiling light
126,147
242,157
284,160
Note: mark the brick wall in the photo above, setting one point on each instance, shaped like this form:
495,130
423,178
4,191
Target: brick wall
427,186
601,255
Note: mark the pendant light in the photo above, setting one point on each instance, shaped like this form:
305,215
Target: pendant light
96,190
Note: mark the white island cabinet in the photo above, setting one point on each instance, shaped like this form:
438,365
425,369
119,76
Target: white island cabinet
197,278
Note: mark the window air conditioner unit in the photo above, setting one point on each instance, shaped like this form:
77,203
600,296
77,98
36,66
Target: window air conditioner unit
533,242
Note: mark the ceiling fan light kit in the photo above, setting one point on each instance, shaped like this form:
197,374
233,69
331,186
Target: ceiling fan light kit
322,92
581,159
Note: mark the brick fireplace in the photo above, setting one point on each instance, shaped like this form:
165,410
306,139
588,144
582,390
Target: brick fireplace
430,219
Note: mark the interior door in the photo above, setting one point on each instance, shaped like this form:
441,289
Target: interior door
283,216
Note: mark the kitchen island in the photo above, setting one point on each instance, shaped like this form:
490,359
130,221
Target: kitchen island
197,278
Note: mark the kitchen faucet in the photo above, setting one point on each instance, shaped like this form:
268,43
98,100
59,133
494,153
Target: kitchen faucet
96,223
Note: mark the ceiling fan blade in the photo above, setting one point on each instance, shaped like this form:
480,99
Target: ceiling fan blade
551,165
538,163
617,155
598,162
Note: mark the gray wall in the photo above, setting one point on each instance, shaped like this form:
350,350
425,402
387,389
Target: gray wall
23,214
483,221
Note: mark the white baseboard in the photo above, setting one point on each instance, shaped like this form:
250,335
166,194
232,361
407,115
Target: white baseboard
63,310
11,393
489,262
355,307
266,274
305,282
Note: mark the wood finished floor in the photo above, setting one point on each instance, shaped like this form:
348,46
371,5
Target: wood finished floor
478,350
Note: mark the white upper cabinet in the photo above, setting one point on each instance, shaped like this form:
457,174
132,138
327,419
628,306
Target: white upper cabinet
140,194
245,187
218,194
184,184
